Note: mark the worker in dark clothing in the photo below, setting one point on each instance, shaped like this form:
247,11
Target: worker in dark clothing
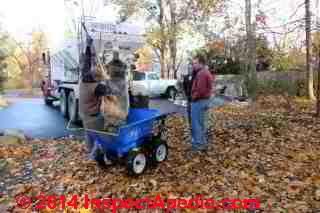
90,96
187,87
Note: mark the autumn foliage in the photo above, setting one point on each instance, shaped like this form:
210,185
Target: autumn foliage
259,151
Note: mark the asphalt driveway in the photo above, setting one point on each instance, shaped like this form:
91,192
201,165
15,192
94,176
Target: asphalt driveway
37,120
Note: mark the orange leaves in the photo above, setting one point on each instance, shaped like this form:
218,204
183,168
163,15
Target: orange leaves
217,46
257,152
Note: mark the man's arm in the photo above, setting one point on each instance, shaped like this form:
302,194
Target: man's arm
89,63
210,81
195,89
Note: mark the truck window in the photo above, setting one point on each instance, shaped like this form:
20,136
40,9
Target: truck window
153,77
138,76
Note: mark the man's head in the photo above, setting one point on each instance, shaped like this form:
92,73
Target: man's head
199,60
198,63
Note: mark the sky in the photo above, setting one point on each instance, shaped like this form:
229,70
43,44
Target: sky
19,17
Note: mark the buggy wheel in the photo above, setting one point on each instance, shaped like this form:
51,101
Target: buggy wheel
137,163
73,107
160,152
172,93
103,160
64,103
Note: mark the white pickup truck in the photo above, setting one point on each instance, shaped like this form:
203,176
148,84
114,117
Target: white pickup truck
150,84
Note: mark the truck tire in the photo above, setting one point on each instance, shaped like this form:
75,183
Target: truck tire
63,103
48,101
171,93
73,108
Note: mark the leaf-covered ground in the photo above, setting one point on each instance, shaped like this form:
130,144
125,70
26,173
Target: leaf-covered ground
269,150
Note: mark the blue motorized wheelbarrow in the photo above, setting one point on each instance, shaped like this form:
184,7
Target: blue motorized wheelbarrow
135,144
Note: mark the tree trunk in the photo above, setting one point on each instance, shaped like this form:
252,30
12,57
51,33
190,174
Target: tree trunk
308,56
251,53
31,74
318,48
318,96
173,37
162,42
162,64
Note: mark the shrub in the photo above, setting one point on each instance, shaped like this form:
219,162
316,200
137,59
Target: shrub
294,60
225,66
278,87
303,86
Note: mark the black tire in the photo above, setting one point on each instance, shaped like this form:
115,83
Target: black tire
136,159
48,101
171,93
159,152
73,108
103,161
63,103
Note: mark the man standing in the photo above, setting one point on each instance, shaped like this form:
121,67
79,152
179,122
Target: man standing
201,94
187,86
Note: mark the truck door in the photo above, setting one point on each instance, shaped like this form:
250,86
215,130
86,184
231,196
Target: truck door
139,83
154,84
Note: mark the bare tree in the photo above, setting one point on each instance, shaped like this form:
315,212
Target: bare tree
3,66
251,51
3,56
28,56
308,45
169,15
318,48
162,39
173,36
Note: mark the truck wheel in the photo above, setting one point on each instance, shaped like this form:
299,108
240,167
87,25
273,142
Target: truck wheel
63,103
48,101
171,93
73,107
137,162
